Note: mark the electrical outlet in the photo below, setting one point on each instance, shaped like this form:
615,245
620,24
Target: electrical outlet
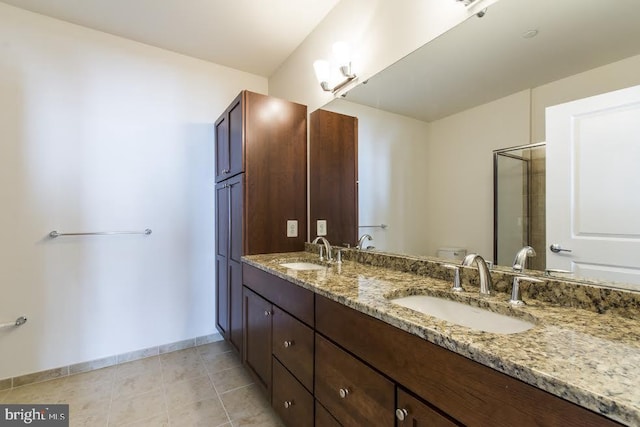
292,228
321,227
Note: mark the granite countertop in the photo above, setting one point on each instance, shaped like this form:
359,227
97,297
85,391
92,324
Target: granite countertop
585,357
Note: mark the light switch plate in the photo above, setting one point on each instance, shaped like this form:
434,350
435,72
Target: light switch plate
321,227
292,228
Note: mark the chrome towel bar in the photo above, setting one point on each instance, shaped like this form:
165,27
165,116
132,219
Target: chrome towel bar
19,321
383,226
55,234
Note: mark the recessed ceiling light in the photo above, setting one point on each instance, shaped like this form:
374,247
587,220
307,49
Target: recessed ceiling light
530,34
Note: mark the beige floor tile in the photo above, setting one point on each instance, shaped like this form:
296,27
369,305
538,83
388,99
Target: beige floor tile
87,402
182,367
89,379
88,421
215,348
137,367
222,362
129,409
192,390
244,402
3,394
181,356
268,418
206,413
140,383
159,421
45,392
231,378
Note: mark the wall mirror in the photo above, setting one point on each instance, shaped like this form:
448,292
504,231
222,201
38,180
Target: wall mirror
428,125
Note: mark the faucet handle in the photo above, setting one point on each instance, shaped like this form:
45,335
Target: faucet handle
321,253
516,299
338,255
457,287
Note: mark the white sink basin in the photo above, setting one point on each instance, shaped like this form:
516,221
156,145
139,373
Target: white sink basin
464,315
302,266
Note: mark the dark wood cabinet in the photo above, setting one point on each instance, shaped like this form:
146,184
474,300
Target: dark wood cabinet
257,347
293,346
261,153
413,412
279,347
354,393
229,141
324,418
465,390
229,260
333,175
291,401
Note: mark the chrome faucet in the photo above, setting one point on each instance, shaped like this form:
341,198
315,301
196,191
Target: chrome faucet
520,262
486,285
327,247
360,244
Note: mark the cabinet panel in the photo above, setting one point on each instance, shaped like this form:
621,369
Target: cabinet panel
290,297
257,338
324,418
222,147
355,394
468,391
415,413
290,400
235,305
293,346
222,297
333,175
236,138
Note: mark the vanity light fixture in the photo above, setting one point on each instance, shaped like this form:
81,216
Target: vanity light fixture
337,72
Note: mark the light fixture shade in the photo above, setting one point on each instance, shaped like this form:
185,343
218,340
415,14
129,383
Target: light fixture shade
322,69
341,53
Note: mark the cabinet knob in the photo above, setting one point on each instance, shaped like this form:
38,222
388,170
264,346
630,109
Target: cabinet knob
225,170
288,404
288,344
344,392
401,414
267,313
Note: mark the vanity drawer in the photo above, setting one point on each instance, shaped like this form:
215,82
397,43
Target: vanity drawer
289,296
293,346
353,393
413,412
324,418
291,401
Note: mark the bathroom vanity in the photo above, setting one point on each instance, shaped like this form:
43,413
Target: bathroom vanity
330,348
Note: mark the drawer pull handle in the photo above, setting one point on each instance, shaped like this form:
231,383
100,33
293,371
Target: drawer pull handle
288,344
288,404
401,414
344,392
267,313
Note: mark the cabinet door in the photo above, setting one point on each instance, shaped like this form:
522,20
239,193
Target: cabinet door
234,270
412,412
222,147
354,394
290,400
324,418
257,338
236,137
293,346
222,250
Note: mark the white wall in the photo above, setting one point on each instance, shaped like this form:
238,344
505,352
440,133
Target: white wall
392,175
380,32
101,133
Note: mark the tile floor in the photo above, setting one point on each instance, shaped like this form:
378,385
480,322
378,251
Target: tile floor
202,386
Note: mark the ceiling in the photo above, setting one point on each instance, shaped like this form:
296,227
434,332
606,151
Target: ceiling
255,36
487,58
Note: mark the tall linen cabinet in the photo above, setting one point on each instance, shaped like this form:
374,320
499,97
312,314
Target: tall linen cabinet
261,172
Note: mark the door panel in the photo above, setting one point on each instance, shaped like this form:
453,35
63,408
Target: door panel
222,147
257,339
236,138
592,179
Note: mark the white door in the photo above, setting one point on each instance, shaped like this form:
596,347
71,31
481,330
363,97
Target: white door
593,186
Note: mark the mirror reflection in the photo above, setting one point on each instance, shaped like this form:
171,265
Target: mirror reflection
429,124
